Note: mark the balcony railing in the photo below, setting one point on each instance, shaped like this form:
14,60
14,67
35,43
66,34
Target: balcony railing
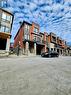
40,41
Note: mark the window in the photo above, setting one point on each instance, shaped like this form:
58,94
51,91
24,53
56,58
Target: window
53,39
3,15
35,30
27,27
8,18
7,29
34,38
26,31
2,28
26,37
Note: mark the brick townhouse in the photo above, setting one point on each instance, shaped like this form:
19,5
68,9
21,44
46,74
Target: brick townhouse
56,44
32,41
6,21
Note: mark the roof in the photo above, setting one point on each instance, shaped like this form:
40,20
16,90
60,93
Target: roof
6,11
51,33
35,23
42,33
26,23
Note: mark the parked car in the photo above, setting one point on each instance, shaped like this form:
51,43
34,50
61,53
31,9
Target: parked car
50,54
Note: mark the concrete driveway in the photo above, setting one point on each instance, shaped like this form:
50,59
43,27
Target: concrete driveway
35,76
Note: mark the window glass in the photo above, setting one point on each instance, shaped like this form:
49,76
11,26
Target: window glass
35,30
27,27
8,18
3,15
7,29
26,37
2,29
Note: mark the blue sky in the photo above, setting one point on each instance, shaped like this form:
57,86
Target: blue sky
52,15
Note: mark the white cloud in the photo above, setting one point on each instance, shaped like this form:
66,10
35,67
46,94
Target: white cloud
52,16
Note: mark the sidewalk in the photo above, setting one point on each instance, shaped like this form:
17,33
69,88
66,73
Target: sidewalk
21,56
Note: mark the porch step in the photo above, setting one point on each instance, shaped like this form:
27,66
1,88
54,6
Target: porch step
3,53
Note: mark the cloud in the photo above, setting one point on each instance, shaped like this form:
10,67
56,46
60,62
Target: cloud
51,15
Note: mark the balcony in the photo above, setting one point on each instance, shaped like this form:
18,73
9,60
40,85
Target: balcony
53,39
39,40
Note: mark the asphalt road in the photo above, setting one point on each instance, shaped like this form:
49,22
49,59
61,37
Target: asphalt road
35,76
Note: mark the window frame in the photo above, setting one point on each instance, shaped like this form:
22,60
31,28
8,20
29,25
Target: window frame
4,30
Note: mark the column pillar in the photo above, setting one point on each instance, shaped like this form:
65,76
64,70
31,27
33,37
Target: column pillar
8,45
27,48
49,47
35,48
45,49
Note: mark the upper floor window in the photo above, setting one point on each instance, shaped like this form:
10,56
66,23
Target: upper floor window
26,31
3,15
53,38
27,28
38,39
35,30
4,29
6,17
7,29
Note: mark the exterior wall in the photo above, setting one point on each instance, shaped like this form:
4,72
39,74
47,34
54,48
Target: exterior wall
51,46
7,20
58,46
8,45
7,24
46,41
32,34
49,39
19,38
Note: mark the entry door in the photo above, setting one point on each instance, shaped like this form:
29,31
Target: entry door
3,44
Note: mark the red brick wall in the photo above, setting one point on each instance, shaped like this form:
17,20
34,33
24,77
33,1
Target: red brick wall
32,31
49,39
19,37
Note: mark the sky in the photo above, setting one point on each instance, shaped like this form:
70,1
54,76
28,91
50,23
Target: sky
52,15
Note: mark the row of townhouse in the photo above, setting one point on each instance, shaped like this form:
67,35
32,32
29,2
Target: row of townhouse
6,21
34,42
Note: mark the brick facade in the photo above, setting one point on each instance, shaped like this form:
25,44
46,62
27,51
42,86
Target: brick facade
32,41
